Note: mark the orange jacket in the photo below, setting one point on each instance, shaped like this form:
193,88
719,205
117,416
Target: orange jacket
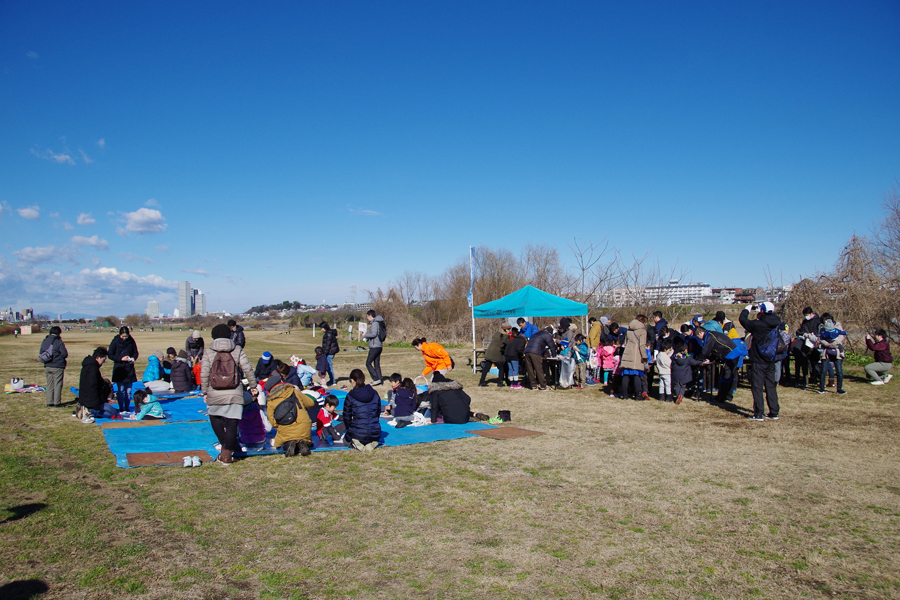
436,358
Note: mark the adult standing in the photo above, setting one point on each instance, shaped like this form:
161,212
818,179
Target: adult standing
804,348
123,351
237,333
762,369
881,348
719,347
494,355
331,347
831,344
375,334
538,343
437,359
634,357
54,351
595,333
525,328
194,346
224,400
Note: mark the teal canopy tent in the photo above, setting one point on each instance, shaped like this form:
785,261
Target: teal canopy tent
532,302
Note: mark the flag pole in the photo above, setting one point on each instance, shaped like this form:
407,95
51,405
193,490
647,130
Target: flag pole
472,306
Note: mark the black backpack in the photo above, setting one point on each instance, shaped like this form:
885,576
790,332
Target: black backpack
286,412
382,332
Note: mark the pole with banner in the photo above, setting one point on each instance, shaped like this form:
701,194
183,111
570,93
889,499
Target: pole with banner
470,298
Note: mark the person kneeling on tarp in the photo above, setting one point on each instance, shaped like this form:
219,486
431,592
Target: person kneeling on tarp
448,400
151,409
287,409
93,389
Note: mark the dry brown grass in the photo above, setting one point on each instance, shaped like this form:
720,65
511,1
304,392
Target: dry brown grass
620,499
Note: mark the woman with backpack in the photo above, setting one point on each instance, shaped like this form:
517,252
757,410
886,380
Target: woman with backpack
223,393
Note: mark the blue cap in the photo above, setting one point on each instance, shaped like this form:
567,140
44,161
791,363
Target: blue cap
267,356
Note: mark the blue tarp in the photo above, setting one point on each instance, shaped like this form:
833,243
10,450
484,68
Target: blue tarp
531,302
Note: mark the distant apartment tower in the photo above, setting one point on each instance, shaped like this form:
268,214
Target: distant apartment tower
153,309
200,304
185,299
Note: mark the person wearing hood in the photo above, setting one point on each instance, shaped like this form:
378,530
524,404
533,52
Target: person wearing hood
123,351
374,334
237,333
152,377
634,357
595,332
331,347
362,408
55,350
93,389
182,376
225,406
194,346
762,370
538,343
448,400
303,371
295,437
265,366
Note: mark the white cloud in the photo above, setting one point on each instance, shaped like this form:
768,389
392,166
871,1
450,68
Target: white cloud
199,272
151,202
95,261
62,158
32,213
32,55
102,143
141,221
135,257
87,159
54,215
162,248
94,241
363,211
68,226
86,219
46,254
4,207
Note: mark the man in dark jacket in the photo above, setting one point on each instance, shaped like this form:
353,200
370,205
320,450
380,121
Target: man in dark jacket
331,347
93,389
762,371
237,333
513,355
265,366
805,357
534,357
448,400
55,367
719,347
494,355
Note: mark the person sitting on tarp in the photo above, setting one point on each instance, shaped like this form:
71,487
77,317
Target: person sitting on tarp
265,366
168,359
304,371
151,409
182,376
448,400
93,389
152,377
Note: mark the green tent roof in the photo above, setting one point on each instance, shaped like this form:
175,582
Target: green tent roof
530,302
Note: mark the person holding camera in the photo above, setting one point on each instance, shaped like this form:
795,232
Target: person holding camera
881,348
762,368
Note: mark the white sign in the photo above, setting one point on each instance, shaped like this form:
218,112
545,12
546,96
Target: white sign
362,327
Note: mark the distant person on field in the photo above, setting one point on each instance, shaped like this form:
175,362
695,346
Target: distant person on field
375,334
123,351
437,360
331,347
237,333
93,389
54,350
762,370
881,348
194,346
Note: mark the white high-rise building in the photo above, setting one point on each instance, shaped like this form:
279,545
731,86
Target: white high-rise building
185,299
201,305
153,309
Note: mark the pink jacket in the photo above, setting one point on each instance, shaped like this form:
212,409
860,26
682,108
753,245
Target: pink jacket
608,360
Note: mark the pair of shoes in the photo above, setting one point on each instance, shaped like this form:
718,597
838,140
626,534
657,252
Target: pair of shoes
481,417
888,377
877,382
541,389
495,420
592,382
678,399
87,419
759,418
820,391
290,448
771,417
225,458
303,448
192,461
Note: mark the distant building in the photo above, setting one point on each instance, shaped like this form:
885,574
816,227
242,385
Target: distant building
672,293
185,299
200,306
153,309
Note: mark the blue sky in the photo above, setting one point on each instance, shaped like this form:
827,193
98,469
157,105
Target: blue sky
293,150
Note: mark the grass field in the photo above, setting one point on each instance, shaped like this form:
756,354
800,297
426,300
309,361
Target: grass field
619,499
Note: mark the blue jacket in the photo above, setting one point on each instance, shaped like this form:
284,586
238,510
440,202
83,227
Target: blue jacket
404,402
152,372
529,330
152,408
362,407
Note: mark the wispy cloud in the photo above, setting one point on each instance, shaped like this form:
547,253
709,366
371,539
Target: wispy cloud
135,257
61,158
141,221
95,261
87,159
85,219
151,202
68,226
94,241
364,211
162,248
4,207
46,254
30,212
33,55
54,215
102,143
199,272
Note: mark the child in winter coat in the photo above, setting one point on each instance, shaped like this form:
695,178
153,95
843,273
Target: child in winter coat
682,371
396,380
664,368
251,428
327,424
608,357
151,409
152,377
181,376
580,353
321,365
405,400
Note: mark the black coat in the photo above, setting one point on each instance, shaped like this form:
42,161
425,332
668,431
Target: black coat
538,342
123,372
60,354
330,342
716,345
515,348
681,369
93,390
194,347
237,336
264,369
182,376
450,401
760,328
362,407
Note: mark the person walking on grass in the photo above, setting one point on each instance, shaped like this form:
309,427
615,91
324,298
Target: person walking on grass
53,354
331,347
375,334
762,368
494,356
881,348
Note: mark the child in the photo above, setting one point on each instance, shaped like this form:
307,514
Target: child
682,367
251,428
396,380
664,368
321,365
152,378
151,409
580,353
515,349
181,377
608,358
405,399
327,424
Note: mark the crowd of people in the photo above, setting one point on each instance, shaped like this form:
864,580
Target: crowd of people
245,403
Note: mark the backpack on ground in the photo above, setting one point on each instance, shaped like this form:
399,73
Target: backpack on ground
771,345
47,355
382,332
286,412
223,375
